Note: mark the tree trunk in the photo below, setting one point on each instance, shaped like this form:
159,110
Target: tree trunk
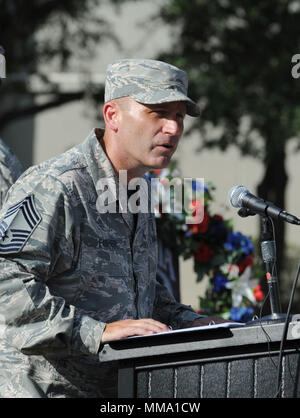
272,188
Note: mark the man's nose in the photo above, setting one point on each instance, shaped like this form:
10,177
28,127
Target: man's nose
172,127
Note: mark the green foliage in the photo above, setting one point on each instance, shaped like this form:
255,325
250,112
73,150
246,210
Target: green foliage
40,37
37,31
238,56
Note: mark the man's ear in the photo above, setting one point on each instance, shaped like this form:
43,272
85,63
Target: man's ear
111,115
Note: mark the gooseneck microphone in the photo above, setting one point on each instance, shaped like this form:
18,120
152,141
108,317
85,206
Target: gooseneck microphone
240,197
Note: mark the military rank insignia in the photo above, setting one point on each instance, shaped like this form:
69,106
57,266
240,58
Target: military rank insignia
17,225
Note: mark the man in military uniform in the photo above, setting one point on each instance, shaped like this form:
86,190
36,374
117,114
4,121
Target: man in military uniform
72,278
10,166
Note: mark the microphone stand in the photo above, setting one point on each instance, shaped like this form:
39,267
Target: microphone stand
268,250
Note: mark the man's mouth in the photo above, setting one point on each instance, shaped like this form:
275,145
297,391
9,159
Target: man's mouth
166,146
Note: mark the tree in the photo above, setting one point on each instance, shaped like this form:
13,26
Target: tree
238,55
40,35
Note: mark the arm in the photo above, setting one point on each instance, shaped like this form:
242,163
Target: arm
177,315
171,312
32,319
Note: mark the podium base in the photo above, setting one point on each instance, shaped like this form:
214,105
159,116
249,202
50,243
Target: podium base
275,318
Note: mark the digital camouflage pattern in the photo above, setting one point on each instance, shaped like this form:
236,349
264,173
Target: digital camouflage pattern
74,271
149,82
10,170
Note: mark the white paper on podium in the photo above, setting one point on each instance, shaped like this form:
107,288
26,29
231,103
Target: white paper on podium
202,328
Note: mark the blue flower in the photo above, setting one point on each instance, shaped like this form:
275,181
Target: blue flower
238,241
241,314
219,282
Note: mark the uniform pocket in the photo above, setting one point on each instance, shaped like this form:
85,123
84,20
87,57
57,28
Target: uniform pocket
107,257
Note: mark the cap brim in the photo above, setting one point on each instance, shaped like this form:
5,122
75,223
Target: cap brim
172,96
192,109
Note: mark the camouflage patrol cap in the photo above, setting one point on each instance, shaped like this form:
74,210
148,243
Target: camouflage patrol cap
148,82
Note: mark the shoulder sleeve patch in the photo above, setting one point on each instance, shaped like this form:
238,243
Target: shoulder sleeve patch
18,224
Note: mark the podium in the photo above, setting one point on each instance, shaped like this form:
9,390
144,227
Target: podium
218,363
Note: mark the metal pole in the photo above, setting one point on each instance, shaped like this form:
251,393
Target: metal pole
268,250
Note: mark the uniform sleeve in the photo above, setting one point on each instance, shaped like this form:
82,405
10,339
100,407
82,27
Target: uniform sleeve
32,319
171,312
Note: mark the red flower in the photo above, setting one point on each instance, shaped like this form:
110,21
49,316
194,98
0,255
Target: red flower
258,293
248,261
202,227
204,253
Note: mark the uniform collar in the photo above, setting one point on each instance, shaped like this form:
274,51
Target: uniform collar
100,167
99,164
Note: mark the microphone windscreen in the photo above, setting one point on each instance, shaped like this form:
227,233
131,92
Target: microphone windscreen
235,194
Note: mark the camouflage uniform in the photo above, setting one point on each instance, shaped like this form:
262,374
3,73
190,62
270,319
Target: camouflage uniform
10,170
65,271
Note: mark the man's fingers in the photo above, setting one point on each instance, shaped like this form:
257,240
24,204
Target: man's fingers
146,324
131,327
159,326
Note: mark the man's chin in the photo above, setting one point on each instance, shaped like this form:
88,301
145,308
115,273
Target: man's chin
162,162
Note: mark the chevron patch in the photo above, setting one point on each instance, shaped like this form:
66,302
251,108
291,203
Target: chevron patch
18,224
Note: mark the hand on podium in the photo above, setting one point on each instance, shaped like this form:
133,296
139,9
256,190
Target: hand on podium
131,327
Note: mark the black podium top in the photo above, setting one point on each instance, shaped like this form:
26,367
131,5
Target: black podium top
198,341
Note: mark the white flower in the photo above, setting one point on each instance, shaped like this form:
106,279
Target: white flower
232,270
225,268
242,287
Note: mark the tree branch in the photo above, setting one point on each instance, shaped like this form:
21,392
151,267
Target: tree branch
61,99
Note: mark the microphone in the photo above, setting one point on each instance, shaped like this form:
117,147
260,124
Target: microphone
240,197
